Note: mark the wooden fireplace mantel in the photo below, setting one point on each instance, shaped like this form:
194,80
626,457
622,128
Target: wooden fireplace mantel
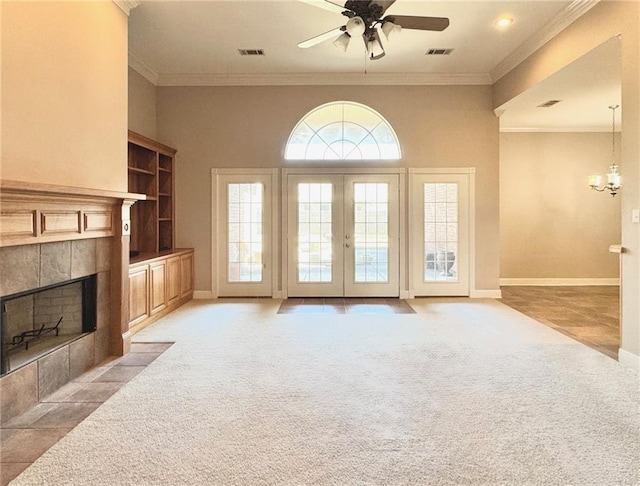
41,213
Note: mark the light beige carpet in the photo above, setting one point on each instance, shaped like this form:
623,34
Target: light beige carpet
463,392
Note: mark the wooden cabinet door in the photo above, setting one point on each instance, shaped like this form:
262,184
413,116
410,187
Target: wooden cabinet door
138,294
173,280
186,274
158,293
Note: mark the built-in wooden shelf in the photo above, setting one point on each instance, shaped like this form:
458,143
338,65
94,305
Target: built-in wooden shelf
151,173
137,170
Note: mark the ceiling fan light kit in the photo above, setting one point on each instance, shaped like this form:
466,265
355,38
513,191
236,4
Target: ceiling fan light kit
391,30
365,19
342,42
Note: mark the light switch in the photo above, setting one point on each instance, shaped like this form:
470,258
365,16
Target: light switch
635,215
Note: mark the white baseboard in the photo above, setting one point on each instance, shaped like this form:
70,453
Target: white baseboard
629,360
202,294
278,294
404,294
560,282
485,294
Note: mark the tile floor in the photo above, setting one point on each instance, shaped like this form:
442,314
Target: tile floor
28,436
589,315
354,305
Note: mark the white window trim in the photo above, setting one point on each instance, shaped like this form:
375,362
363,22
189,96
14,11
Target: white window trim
471,171
215,225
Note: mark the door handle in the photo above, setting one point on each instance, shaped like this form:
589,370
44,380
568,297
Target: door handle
348,245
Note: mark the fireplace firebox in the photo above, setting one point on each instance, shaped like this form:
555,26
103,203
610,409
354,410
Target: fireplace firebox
36,322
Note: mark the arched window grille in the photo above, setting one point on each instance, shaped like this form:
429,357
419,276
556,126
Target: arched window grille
343,130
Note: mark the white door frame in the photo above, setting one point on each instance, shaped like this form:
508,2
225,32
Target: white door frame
402,204
471,172
272,205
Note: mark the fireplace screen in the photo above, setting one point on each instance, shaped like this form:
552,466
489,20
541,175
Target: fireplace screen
36,322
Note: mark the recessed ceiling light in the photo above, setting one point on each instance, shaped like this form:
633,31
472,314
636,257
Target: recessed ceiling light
503,22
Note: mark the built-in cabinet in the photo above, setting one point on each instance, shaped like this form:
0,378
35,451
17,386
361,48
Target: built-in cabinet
160,276
158,286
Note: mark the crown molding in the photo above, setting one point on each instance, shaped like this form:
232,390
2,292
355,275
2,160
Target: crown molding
310,79
143,69
573,12
553,130
127,5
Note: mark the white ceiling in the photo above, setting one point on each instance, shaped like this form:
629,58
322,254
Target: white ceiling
197,42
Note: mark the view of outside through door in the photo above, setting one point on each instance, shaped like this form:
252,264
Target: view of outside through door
440,232
245,257
371,232
315,262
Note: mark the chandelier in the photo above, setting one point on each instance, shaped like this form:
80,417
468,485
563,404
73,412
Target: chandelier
613,177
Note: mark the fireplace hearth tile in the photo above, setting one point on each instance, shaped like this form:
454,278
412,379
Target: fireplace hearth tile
138,359
95,392
63,393
11,470
18,392
151,347
20,265
83,258
120,374
27,419
82,355
65,415
55,262
53,371
29,444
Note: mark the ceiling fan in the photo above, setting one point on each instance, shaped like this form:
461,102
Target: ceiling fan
365,16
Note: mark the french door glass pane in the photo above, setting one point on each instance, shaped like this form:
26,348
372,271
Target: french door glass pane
371,232
245,232
440,232
315,235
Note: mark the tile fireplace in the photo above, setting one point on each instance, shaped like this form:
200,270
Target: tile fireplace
64,253
36,322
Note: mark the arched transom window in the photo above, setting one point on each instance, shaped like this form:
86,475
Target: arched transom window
342,130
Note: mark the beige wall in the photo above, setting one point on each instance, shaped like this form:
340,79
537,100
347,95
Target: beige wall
551,224
142,105
249,127
602,22
64,93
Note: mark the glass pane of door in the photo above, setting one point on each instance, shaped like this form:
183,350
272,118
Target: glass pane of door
343,235
440,232
371,232
371,236
439,225
244,232
315,234
244,261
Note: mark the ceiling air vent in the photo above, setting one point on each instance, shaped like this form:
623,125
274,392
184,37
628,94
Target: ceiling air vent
549,103
251,52
439,52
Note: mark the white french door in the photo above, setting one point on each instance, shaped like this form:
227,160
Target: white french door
439,221
244,233
342,235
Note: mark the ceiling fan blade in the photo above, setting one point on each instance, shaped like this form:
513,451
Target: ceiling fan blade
326,5
385,4
320,38
418,23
